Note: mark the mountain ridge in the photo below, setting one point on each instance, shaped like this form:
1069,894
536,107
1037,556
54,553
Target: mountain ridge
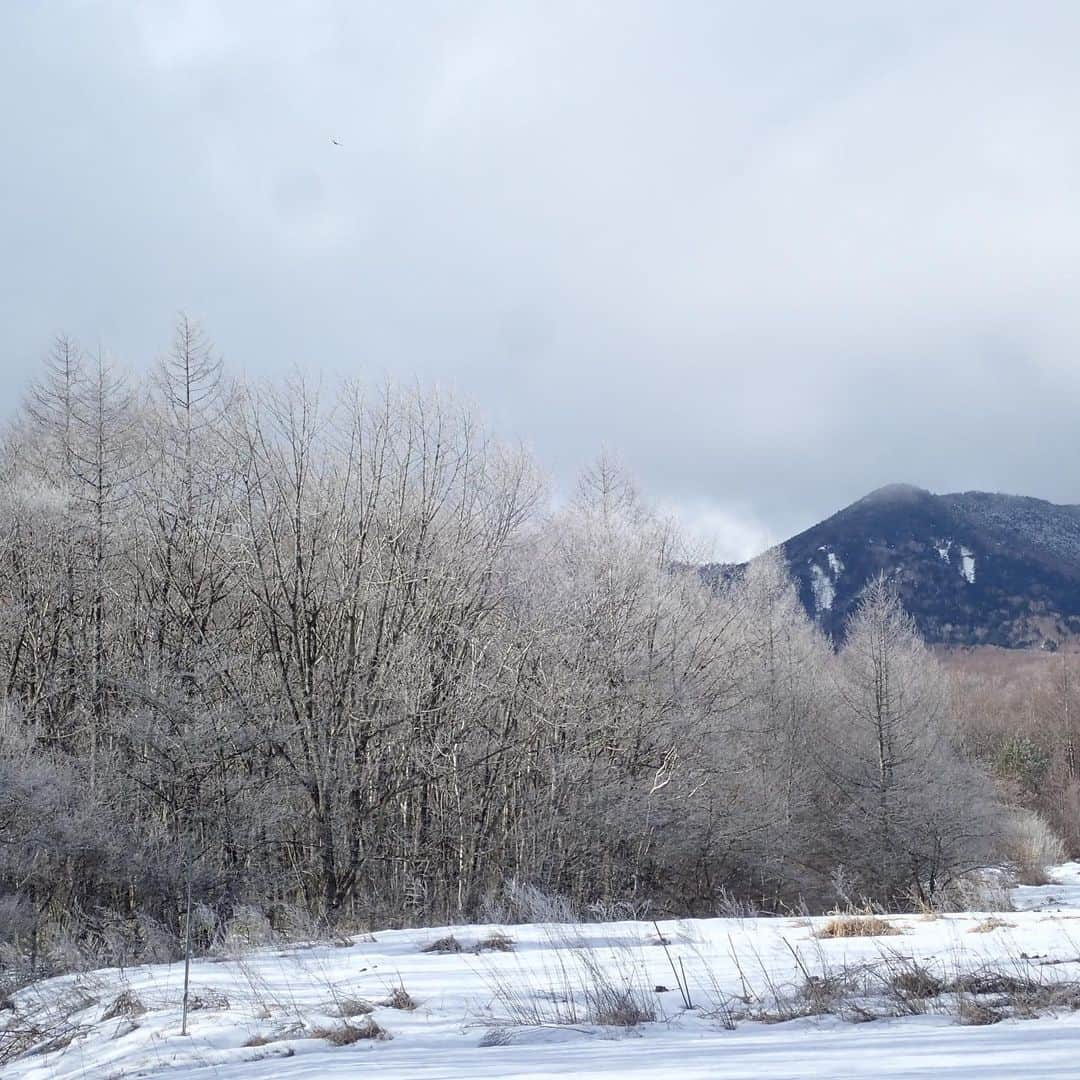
972,567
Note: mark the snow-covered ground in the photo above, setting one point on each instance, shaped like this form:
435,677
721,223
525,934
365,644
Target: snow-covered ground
258,1013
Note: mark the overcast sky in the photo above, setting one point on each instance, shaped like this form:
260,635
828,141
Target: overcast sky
770,255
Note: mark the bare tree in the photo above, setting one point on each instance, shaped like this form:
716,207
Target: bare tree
914,814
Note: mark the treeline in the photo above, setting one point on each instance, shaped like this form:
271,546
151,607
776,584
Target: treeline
335,655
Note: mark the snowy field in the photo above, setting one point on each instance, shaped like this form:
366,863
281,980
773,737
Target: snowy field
972,995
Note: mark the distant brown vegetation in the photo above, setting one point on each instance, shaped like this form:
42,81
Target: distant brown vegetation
1018,713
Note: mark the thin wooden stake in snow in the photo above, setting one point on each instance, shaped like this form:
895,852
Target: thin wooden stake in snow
685,986
187,953
674,970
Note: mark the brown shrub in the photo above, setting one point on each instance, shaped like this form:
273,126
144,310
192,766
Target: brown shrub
448,944
1031,846
497,1036
849,926
975,1014
354,1007
915,982
207,999
292,1031
347,1034
620,1007
496,942
125,1004
400,998
987,925
991,981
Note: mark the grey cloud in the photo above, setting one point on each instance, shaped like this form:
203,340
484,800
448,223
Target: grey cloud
773,257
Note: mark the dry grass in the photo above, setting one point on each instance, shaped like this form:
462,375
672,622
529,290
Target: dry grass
347,1034
993,981
621,1007
60,1042
990,924
852,926
579,987
974,891
915,983
448,944
350,1007
495,942
45,1024
400,998
1031,846
972,1013
1050,999
292,1031
125,1004
208,999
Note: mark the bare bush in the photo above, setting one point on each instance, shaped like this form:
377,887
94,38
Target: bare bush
974,891
46,1021
400,998
518,901
447,944
847,926
208,999
1031,846
987,926
247,928
347,1034
909,983
126,1004
496,941
974,1013
579,986
350,1007
291,1031
614,999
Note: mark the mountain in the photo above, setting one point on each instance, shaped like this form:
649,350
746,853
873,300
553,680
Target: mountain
972,568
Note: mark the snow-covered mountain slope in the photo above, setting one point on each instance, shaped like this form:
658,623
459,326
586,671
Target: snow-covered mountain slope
532,1012
972,568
